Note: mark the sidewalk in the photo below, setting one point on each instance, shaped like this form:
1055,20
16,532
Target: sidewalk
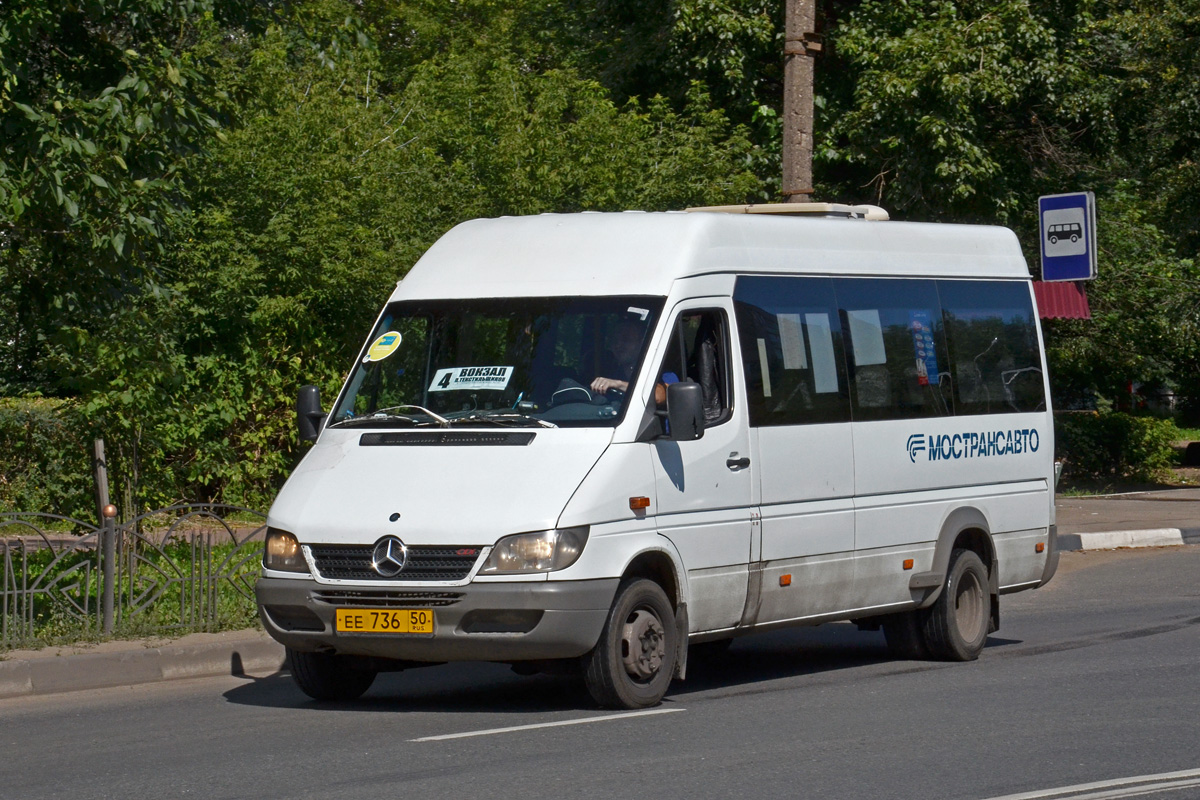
1139,519
1145,519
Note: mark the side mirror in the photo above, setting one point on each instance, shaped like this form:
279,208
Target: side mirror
309,416
685,411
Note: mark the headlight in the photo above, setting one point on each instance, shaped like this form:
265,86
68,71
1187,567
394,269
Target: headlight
282,552
542,551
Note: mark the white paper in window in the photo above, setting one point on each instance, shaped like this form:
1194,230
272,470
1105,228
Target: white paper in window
766,370
820,339
867,333
790,339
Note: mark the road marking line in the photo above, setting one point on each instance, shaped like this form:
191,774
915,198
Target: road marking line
1138,791
1140,784
492,731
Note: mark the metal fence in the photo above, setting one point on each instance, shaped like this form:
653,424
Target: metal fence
179,569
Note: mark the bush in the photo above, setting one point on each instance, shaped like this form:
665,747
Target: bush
1113,445
45,458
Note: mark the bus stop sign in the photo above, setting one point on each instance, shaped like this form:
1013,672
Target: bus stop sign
1067,229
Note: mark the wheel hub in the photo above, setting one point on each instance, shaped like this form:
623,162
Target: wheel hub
644,644
969,607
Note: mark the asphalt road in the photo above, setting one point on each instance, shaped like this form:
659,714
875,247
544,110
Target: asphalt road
1092,679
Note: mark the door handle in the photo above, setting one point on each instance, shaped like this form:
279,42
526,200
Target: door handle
737,463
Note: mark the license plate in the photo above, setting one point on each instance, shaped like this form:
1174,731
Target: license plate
384,620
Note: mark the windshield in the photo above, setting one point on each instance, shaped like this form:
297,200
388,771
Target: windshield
519,362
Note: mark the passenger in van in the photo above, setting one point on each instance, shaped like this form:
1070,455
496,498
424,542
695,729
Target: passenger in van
620,360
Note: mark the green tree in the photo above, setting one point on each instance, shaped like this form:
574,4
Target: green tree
962,110
102,104
1145,320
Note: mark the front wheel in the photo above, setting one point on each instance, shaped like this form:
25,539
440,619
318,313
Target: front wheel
956,625
325,676
633,663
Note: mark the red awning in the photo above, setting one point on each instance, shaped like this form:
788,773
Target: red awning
1061,300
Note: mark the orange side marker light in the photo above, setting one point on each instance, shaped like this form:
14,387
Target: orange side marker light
785,580
1040,547
638,503
908,563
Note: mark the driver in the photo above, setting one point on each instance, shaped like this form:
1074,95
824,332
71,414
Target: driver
620,360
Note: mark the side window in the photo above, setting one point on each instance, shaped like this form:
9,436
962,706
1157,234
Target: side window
993,343
699,351
897,361
791,350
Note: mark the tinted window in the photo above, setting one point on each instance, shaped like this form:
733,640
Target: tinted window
896,354
791,344
699,352
994,351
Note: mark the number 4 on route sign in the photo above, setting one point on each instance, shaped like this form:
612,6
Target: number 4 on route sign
1067,228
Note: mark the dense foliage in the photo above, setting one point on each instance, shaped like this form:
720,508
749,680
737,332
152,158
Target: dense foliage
1110,446
203,202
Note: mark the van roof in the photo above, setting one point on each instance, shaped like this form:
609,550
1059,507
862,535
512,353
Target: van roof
643,253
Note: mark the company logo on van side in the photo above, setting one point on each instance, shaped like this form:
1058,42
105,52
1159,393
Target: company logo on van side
950,446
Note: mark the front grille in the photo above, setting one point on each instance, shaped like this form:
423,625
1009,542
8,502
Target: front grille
387,599
352,562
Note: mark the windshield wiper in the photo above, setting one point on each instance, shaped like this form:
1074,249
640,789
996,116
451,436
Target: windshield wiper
385,414
502,416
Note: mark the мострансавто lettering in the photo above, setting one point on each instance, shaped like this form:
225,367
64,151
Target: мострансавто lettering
948,446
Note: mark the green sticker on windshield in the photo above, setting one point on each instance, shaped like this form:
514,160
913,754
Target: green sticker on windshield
383,347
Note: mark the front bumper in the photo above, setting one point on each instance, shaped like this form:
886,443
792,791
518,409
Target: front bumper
476,622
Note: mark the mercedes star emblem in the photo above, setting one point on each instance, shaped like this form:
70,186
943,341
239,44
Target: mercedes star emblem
389,556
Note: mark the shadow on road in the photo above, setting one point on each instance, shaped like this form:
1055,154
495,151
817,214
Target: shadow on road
461,688
494,688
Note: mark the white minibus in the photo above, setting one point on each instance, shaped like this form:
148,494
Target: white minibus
586,441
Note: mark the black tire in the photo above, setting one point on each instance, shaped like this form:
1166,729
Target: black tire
956,625
633,663
324,676
904,635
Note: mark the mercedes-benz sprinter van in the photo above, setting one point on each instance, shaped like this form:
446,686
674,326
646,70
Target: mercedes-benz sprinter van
590,440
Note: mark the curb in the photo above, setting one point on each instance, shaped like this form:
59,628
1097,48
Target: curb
37,676
1110,540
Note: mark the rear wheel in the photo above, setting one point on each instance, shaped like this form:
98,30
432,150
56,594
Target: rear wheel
956,625
325,676
633,663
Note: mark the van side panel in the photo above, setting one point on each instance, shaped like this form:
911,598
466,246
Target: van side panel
807,511
922,454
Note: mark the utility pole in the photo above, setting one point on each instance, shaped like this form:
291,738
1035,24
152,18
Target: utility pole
800,48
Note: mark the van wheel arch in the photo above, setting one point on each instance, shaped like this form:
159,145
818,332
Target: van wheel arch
965,529
659,567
